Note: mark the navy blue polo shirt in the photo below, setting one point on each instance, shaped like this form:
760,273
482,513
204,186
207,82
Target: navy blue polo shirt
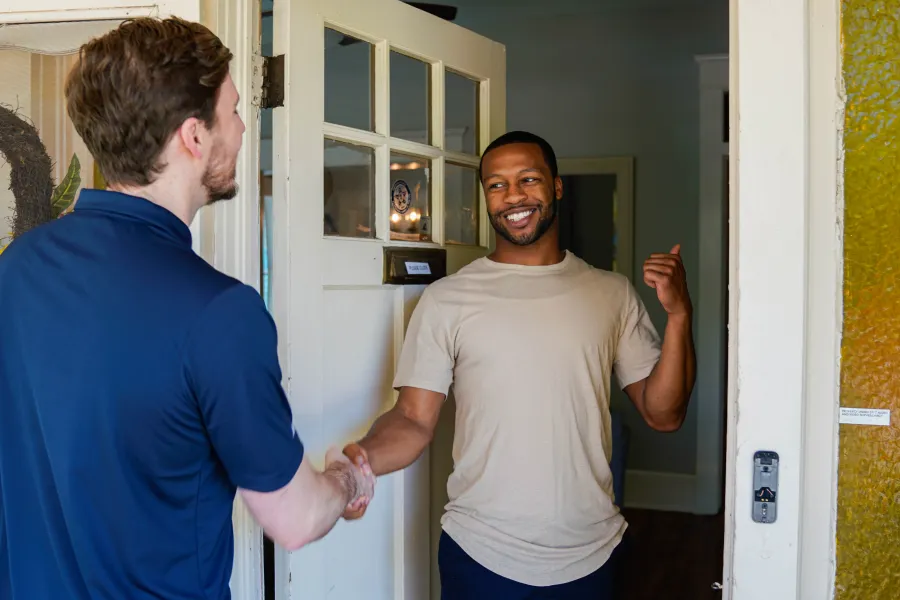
139,387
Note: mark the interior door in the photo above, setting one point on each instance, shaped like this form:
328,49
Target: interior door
386,109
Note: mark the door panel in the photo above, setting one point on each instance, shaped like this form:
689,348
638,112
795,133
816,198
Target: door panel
358,366
361,164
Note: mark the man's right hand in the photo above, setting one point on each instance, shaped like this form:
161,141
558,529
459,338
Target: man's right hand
363,478
357,455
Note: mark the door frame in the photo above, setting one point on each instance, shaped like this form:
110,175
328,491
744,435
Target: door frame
623,168
229,232
825,272
711,309
785,153
786,111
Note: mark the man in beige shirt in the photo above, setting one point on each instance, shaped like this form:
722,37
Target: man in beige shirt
529,338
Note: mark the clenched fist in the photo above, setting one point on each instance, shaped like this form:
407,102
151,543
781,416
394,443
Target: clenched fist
665,273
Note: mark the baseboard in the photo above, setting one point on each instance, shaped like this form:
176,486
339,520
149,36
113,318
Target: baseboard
660,491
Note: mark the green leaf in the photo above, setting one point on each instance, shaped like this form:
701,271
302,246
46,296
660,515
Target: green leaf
64,194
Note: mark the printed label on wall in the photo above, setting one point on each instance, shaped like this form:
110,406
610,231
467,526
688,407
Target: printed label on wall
865,416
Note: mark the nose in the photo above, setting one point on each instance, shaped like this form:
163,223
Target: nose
515,194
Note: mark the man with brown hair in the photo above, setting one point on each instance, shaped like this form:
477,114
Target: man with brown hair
140,387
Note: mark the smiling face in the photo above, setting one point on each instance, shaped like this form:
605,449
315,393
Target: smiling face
521,192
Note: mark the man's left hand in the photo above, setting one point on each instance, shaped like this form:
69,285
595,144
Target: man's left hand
665,273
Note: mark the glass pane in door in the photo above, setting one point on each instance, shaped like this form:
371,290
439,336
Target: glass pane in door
461,201
349,81
349,190
410,198
461,108
410,99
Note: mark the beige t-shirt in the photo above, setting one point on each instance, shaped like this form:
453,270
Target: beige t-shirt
529,352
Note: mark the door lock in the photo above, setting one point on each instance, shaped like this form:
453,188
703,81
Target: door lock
765,486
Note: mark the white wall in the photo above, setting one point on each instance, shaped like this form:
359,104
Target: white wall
613,82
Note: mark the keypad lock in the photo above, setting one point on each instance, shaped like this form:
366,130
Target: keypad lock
765,486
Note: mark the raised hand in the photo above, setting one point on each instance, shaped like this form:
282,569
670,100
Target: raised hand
665,273
357,455
364,479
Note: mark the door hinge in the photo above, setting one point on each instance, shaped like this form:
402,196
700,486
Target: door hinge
273,82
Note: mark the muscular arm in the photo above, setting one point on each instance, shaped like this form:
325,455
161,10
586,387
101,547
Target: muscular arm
399,436
310,504
662,398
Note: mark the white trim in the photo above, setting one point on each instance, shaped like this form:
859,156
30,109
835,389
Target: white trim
623,168
710,307
642,490
229,236
53,11
768,268
53,38
818,525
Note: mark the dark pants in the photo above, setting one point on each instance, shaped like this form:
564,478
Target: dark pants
464,579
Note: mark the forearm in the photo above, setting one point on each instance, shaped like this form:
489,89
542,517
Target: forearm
669,386
306,508
394,442
336,489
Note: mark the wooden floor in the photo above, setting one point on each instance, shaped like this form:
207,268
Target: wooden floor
670,556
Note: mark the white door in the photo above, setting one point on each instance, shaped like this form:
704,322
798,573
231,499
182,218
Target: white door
378,96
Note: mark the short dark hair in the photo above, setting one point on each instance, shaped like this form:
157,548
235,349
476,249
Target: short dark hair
133,87
523,137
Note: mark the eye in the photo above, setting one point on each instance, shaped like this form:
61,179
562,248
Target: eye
495,186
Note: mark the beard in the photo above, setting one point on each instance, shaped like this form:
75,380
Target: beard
547,217
219,180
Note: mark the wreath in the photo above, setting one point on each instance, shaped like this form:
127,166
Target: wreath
35,199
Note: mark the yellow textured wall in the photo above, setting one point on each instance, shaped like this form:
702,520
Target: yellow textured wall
868,536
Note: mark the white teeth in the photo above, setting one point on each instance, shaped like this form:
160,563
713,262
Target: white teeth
519,215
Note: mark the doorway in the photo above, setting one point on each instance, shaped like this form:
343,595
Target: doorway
684,541
786,46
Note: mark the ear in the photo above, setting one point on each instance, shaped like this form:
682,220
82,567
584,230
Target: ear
190,133
558,184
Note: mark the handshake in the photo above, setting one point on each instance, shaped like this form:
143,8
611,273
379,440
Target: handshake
351,468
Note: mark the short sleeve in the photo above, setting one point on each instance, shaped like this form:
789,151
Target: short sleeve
427,358
638,350
232,367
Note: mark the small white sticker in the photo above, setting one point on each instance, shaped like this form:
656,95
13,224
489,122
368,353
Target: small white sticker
865,416
418,268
